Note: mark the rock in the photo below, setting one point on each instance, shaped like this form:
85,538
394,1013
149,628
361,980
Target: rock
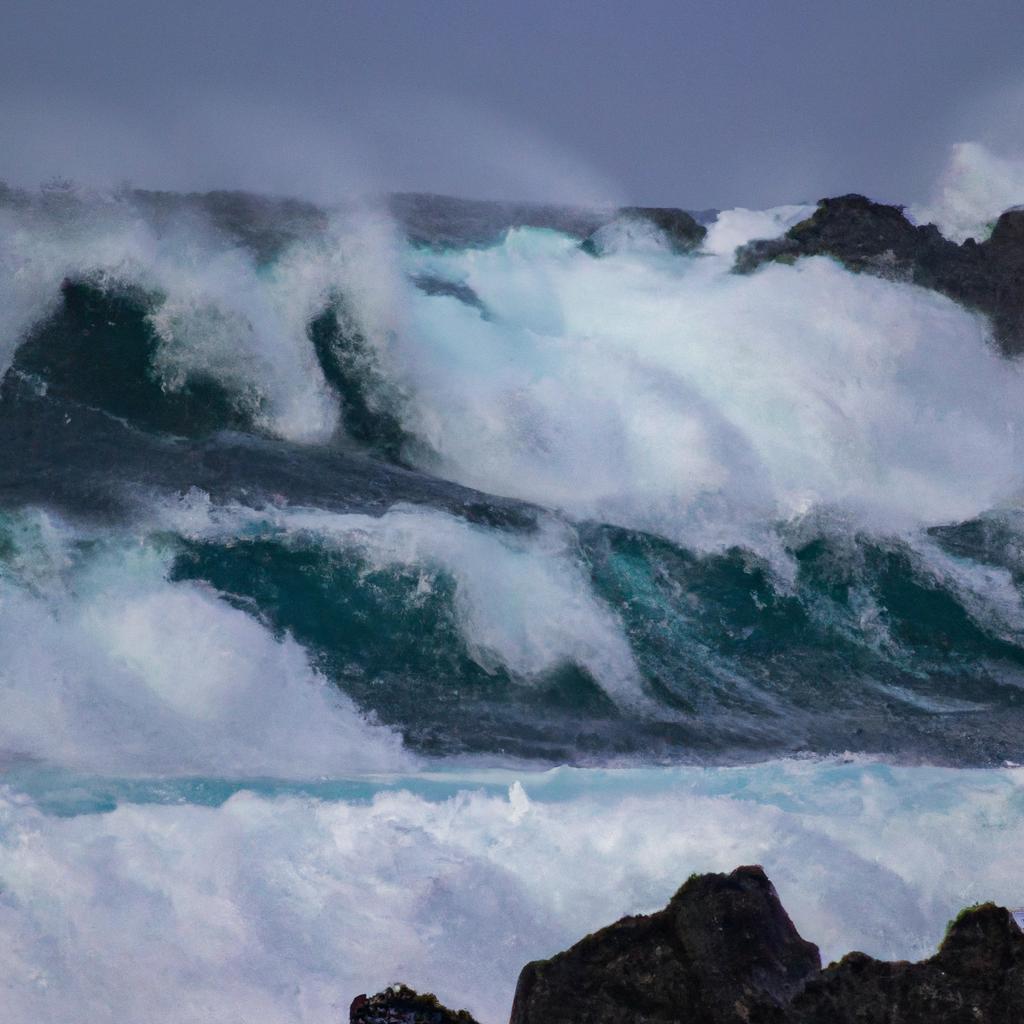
678,226
722,950
725,952
683,232
877,239
400,1004
976,976
442,222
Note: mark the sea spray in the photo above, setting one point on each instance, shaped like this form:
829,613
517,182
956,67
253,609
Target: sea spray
283,906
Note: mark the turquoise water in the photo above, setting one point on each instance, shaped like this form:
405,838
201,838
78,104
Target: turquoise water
786,785
288,896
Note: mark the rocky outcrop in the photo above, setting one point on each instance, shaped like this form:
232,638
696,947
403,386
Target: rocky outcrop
873,238
682,230
401,1005
724,949
725,952
977,976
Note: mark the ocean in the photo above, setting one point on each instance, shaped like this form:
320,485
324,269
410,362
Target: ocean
402,590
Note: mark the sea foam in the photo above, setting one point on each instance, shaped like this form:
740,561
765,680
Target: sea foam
105,665
282,908
666,393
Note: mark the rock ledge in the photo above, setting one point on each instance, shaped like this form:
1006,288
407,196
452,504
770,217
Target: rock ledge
873,238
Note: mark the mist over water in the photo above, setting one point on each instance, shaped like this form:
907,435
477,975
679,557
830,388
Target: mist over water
332,537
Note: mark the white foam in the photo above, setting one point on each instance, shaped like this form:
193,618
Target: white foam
976,186
218,312
127,672
733,228
642,388
669,394
521,601
282,909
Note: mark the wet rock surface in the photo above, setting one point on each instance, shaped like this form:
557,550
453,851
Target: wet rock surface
873,238
683,231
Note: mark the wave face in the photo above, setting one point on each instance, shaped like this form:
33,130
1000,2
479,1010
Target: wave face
486,493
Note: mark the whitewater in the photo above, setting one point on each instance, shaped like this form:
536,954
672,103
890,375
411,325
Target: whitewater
400,591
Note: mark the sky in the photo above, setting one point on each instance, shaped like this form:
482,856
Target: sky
694,104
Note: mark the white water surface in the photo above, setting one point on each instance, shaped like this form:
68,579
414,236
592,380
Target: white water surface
193,901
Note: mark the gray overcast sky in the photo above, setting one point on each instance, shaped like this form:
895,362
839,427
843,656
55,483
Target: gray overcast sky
685,103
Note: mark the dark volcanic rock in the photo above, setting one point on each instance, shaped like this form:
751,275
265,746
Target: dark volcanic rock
683,231
681,228
976,976
401,1005
877,239
722,950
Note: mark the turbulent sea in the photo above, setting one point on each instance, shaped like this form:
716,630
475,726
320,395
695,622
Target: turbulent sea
400,592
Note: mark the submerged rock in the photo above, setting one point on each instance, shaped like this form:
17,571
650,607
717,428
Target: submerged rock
725,952
874,238
401,1005
430,284
681,229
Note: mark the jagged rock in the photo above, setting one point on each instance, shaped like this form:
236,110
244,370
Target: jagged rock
722,950
873,238
400,1004
977,977
370,404
683,231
